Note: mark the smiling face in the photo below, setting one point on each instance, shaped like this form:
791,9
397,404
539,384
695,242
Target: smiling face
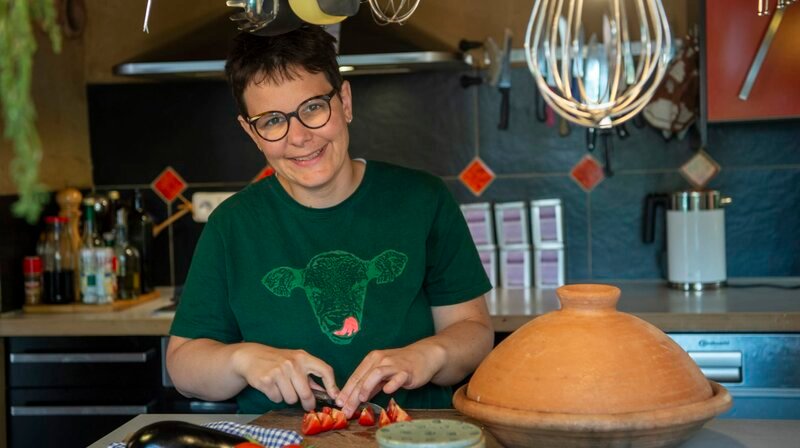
309,162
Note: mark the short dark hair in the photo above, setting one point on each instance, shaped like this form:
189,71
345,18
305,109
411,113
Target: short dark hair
255,59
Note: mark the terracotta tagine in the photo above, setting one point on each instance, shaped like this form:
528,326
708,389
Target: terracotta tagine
588,376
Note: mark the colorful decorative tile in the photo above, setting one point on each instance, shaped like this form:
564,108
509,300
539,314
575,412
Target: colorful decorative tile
587,173
266,172
169,185
477,176
700,169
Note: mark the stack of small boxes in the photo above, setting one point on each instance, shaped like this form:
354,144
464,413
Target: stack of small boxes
515,259
548,243
513,239
479,221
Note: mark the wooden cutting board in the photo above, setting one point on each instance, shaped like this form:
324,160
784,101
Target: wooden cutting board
356,435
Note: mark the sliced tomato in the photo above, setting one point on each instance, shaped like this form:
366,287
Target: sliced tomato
327,410
325,420
391,410
367,417
311,424
339,419
384,420
401,415
251,445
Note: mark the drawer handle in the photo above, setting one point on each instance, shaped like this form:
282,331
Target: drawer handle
30,411
64,358
717,359
723,374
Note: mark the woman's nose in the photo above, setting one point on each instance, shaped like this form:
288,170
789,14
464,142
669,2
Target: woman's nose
298,134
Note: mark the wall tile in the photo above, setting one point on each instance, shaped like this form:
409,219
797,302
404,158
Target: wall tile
137,130
616,214
775,142
762,223
419,120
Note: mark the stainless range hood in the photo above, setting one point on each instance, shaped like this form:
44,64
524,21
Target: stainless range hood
364,47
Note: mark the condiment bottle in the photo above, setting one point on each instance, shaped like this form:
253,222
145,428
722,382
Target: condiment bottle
141,237
59,268
90,245
32,272
128,274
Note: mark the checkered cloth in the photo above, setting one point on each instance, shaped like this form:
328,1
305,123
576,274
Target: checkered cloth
269,437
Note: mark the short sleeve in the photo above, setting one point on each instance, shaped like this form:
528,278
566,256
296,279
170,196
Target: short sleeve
204,310
454,272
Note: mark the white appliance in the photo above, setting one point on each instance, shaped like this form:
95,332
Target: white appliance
695,238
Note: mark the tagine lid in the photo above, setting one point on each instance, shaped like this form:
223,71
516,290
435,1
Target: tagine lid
588,358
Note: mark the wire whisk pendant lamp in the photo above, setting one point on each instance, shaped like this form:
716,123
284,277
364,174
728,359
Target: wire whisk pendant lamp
598,84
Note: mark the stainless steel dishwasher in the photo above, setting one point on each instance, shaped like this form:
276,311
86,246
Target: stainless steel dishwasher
760,370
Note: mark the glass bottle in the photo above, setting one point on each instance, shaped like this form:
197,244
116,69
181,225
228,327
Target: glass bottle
32,271
109,231
141,237
128,274
59,269
90,244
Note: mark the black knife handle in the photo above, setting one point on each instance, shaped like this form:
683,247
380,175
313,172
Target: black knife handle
465,45
504,91
591,139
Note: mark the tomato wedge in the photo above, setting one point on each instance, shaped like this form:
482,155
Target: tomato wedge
325,421
384,420
311,424
339,419
327,410
391,410
367,417
401,415
251,445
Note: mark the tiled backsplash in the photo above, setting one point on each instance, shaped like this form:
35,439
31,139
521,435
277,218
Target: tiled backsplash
427,121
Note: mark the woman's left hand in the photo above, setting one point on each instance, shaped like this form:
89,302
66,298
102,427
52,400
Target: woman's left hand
389,370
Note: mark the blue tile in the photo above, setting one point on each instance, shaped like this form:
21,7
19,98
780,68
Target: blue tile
544,187
762,223
775,142
617,206
420,120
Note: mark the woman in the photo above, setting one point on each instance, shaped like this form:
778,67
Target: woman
333,271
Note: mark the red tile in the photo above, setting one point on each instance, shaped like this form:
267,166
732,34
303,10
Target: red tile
169,185
587,173
477,176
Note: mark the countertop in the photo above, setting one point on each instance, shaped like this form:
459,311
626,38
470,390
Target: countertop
718,433
731,309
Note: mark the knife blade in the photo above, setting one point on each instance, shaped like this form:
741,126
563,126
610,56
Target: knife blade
504,85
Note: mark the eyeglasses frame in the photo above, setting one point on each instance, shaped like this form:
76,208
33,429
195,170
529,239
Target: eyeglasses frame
327,97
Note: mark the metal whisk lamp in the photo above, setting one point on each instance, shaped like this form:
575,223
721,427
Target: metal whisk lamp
599,83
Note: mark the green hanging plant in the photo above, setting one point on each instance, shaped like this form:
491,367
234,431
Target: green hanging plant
17,47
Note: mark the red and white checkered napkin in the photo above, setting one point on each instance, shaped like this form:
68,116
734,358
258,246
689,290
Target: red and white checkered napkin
269,437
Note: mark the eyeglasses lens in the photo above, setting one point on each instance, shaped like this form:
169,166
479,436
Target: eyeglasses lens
313,114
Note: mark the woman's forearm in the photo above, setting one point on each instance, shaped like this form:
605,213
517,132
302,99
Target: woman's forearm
204,368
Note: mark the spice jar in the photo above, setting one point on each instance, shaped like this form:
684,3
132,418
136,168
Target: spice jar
32,272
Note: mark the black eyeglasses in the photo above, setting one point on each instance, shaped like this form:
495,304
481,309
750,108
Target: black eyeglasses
313,113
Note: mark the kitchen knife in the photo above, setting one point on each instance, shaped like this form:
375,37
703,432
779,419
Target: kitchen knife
504,85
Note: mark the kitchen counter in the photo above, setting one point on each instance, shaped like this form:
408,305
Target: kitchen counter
726,310
715,434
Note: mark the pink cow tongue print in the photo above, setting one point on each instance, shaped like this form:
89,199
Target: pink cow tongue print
335,284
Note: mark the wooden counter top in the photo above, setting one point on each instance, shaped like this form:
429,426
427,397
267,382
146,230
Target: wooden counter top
731,309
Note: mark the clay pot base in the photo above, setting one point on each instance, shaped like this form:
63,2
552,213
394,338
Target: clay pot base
660,428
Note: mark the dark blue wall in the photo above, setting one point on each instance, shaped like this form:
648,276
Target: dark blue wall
427,121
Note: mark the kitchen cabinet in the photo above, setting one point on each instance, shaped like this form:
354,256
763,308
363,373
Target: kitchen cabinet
733,35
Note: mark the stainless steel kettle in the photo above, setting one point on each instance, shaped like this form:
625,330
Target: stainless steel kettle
695,227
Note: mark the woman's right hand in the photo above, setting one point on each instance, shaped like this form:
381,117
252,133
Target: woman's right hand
283,375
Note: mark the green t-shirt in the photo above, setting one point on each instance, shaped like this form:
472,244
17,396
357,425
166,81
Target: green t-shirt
337,282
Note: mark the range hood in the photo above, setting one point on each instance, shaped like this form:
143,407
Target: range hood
364,48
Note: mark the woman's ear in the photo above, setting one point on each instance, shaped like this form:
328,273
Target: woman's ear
347,101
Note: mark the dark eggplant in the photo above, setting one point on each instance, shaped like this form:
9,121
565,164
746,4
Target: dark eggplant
176,434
